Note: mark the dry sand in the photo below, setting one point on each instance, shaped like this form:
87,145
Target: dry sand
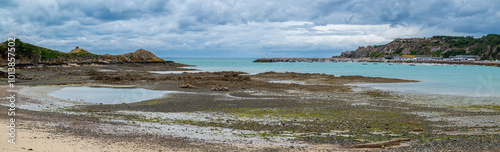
31,139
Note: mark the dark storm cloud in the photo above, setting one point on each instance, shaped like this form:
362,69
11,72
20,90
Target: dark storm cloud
246,27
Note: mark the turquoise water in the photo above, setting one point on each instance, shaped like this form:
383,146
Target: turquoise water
453,80
106,95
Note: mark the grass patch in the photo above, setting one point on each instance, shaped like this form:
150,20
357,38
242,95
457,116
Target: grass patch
308,120
63,78
152,101
378,94
495,108
275,113
342,126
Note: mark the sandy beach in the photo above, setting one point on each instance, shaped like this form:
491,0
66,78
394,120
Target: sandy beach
38,137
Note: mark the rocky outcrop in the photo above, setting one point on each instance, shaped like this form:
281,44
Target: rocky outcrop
140,55
187,85
488,47
28,54
220,89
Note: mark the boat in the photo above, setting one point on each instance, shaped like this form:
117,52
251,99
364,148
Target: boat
412,64
365,63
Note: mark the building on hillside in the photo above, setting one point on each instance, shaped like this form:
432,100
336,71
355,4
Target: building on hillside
412,57
465,58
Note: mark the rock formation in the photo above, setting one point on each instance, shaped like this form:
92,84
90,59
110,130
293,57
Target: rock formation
487,47
28,54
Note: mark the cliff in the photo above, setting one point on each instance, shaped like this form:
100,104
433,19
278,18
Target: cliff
488,47
28,54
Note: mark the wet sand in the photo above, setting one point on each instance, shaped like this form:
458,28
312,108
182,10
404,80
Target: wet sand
263,112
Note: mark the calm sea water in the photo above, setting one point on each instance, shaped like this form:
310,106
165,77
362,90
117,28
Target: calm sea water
107,95
453,80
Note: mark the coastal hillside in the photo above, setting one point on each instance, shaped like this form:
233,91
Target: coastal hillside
31,54
487,47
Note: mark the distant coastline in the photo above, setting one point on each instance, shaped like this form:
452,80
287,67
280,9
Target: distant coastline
31,55
485,48
486,63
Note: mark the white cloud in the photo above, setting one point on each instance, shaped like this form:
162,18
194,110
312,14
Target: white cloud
240,27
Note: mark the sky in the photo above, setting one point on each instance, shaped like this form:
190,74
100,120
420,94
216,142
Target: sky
240,28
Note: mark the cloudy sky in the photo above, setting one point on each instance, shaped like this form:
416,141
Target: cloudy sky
239,28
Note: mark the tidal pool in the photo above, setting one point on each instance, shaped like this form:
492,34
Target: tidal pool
107,95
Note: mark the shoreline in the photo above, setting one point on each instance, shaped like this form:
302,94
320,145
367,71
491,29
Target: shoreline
309,112
484,63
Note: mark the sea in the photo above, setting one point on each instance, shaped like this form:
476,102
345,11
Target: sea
460,80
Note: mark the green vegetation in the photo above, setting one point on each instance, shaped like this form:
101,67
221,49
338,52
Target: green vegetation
47,54
335,126
487,47
496,53
457,41
26,50
35,53
438,53
480,107
399,51
376,54
83,54
480,45
300,120
461,42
